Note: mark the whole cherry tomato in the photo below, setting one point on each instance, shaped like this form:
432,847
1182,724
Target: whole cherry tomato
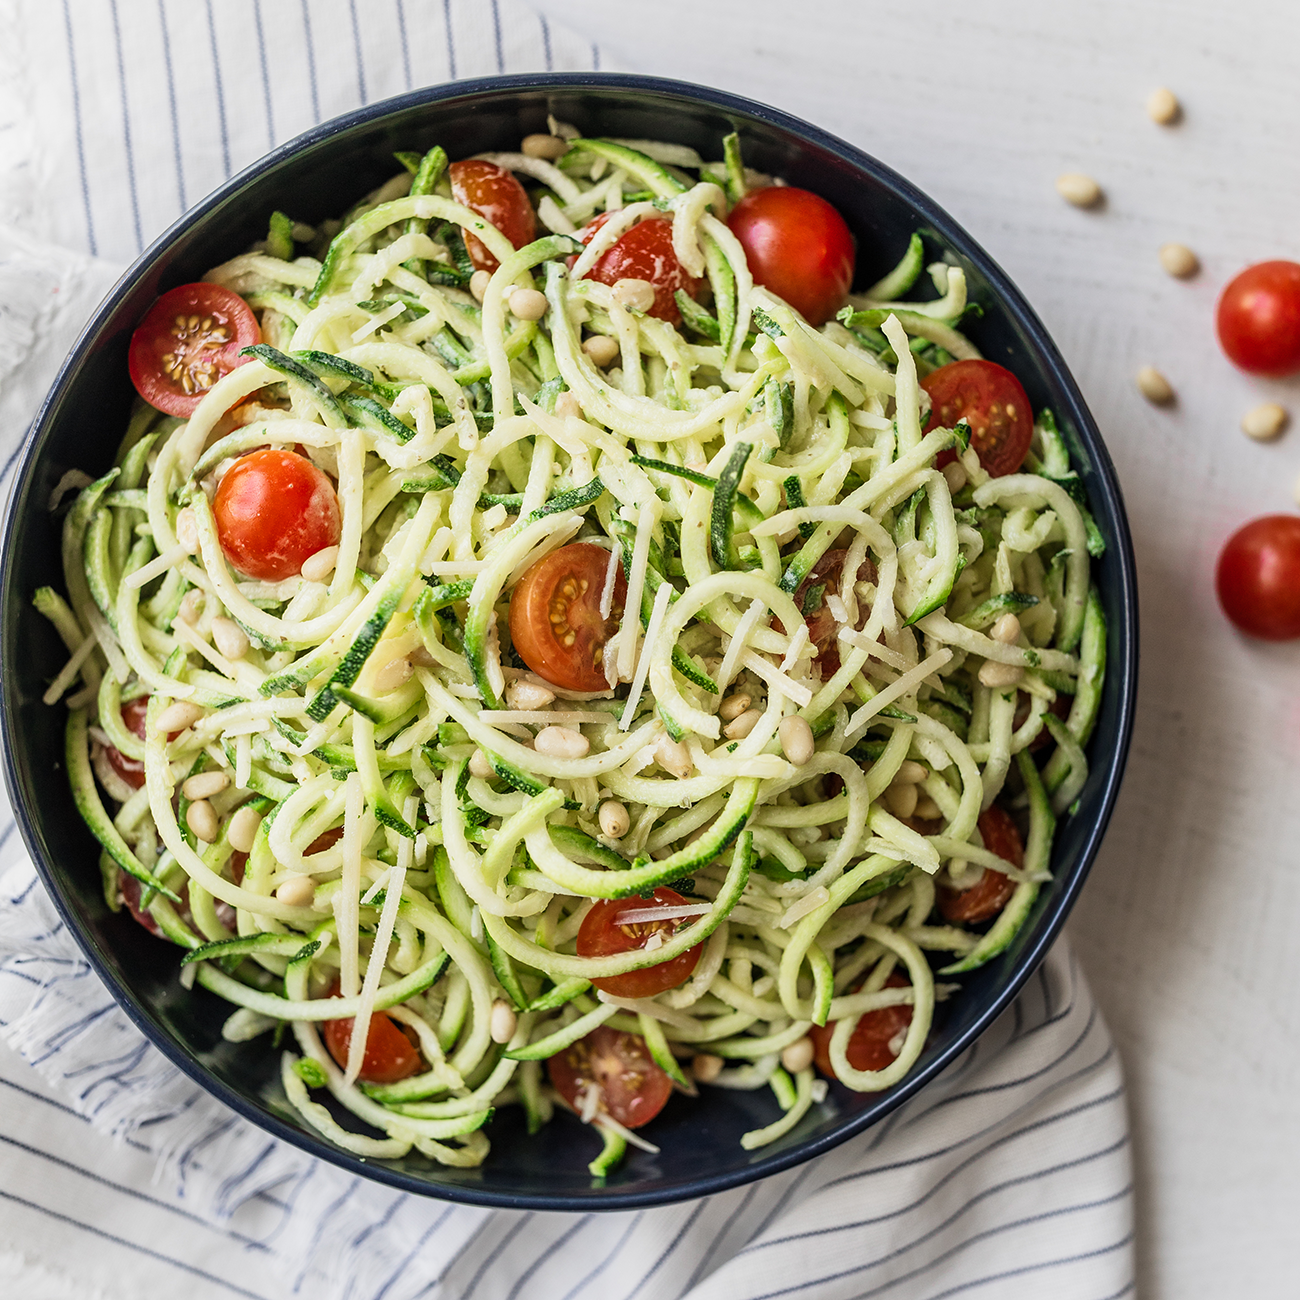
870,1044
798,246
1258,578
555,619
602,935
992,401
644,253
389,1054
494,193
189,339
1258,319
273,510
989,894
632,1088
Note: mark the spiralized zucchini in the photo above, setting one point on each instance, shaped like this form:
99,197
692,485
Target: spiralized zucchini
718,462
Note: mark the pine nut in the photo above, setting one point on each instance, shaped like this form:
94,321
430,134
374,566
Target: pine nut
673,756
706,1067
318,567
798,1056
601,349
927,809
797,739
481,766
1080,190
187,531
567,406
1006,629
478,283
229,637
1265,421
528,695
910,772
203,785
191,606
999,676
901,799
614,819
549,147
503,1021
201,818
733,706
1154,386
1179,260
740,727
178,715
241,834
296,891
528,304
1163,107
561,742
636,295
954,474
393,675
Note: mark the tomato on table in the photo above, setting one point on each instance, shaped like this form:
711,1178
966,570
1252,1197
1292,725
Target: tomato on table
798,246
632,1088
1258,578
389,1054
823,628
273,510
869,1045
1258,319
991,892
494,193
602,935
993,402
189,339
645,252
555,619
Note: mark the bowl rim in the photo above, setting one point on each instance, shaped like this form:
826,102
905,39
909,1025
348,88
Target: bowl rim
1123,665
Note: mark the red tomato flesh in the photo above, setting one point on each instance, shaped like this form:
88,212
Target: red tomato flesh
869,1047
495,194
1258,319
601,935
389,1055
555,619
989,895
131,770
798,246
189,339
644,253
273,510
823,630
1258,578
993,402
633,1089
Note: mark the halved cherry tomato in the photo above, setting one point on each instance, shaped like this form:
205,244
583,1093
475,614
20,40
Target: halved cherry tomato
131,770
273,510
1258,578
188,339
823,630
494,193
798,246
131,890
989,895
389,1054
644,253
555,619
1258,319
869,1047
994,404
633,1089
601,935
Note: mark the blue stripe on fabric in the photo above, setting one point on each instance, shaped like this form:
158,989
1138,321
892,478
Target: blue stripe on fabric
560,1241
604,1263
496,34
266,74
81,147
356,48
1035,1268
546,43
6,833
22,442
515,1229
1127,1290
721,1235
221,92
595,57
147,1251
311,62
31,884
177,159
406,43
672,1245
451,43
401,1268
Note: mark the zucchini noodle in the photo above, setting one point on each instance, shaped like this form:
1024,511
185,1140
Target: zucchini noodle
841,644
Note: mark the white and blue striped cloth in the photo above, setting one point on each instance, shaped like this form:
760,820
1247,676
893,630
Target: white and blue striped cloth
1008,1178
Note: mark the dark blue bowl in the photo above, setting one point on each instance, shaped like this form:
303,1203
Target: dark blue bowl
317,176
